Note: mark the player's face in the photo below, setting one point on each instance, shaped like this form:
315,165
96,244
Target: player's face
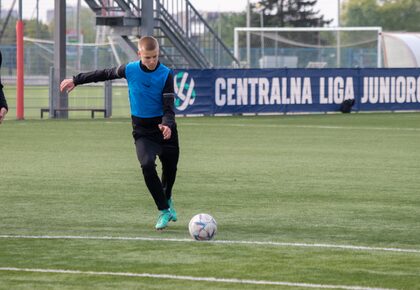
149,58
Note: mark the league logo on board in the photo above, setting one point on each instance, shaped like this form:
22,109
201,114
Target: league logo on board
184,88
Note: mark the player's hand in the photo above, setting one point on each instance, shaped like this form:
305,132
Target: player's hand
67,85
166,131
3,113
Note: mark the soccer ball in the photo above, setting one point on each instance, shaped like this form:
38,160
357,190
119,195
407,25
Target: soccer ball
202,227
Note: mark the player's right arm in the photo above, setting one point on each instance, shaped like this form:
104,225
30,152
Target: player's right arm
93,77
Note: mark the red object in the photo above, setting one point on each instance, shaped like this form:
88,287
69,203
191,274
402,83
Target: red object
19,71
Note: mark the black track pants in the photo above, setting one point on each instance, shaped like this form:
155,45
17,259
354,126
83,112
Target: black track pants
148,148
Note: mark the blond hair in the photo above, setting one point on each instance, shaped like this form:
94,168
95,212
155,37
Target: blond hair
148,43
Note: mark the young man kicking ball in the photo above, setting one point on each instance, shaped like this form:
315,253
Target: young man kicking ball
151,94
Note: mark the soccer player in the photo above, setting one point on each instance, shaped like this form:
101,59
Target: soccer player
3,103
151,94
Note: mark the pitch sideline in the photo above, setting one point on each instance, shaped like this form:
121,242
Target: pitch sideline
268,243
290,126
305,126
189,278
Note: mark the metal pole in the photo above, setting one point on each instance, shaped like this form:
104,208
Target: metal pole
108,99
338,36
379,52
248,35
219,33
38,36
37,19
236,44
262,36
146,18
19,66
60,98
79,36
51,91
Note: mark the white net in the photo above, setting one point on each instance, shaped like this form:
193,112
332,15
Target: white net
39,56
308,47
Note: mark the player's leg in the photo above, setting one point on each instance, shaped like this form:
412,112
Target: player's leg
169,159
147,151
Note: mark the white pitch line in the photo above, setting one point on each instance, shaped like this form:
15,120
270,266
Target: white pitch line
189,278
229,242
304,126
290,126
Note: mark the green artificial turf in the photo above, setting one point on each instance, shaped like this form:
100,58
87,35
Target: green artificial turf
349,180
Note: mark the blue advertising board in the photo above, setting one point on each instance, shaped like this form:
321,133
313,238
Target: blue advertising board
240,91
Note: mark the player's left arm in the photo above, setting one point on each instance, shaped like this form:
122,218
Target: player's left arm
168,95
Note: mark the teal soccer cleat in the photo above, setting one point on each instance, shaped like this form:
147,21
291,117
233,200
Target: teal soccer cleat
164,218
172,209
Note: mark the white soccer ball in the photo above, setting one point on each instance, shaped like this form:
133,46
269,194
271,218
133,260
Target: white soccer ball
202,227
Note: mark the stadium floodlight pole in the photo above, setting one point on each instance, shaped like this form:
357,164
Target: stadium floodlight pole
19,64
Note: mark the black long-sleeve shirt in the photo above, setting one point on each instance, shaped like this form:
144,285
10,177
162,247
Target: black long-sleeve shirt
3,103
168,92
